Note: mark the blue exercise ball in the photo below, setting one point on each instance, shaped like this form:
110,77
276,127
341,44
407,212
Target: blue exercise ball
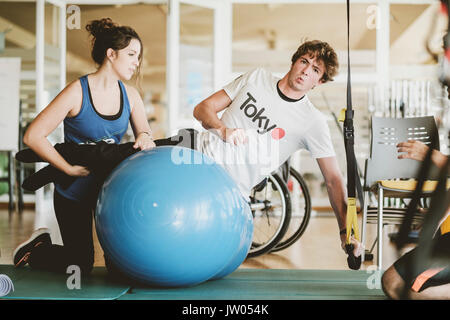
242,252
171,217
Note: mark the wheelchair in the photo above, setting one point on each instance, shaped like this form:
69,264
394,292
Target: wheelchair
281,209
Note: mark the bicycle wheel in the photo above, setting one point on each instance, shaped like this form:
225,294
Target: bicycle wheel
271,209
301,210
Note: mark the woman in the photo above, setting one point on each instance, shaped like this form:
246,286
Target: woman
97,107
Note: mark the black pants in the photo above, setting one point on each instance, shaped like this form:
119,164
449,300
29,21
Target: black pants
101,159
75,224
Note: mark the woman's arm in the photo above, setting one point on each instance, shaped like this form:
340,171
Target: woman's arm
66,103
139,123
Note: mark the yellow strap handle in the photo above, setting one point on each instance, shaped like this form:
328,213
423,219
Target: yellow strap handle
342,115
352,220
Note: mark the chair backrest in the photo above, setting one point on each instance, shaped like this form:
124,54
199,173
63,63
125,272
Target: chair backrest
386,133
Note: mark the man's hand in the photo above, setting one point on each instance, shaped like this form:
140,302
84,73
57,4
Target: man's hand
359,247
235,136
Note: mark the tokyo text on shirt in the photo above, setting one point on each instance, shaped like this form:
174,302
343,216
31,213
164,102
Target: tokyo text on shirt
275,128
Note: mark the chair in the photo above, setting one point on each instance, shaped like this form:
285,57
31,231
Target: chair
389,177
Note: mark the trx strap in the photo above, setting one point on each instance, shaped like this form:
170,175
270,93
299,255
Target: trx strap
358,173
349,140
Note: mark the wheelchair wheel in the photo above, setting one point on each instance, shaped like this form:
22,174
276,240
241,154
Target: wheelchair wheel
301,210
271,208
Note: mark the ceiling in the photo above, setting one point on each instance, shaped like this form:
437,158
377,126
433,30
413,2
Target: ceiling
262,33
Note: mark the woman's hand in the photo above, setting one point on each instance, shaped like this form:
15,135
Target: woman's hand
144,141
77,171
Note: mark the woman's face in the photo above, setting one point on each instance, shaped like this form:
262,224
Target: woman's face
126,60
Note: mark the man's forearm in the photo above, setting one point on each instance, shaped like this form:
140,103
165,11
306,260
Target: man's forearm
338,200
208,118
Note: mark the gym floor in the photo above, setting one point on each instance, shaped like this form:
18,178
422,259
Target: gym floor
318,248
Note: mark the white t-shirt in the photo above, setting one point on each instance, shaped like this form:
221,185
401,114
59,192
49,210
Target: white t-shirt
275,128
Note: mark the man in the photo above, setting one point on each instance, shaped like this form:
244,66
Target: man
267,119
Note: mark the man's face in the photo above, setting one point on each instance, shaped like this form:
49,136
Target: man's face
306,73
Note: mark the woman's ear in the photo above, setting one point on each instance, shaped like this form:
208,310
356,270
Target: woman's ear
111,54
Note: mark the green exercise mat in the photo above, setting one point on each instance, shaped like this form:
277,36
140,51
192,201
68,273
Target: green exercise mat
243,284
34,284
270,284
